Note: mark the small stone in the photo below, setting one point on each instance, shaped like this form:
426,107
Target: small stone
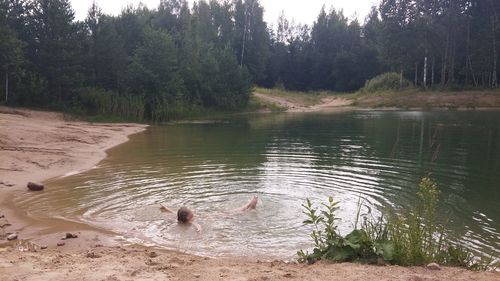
197,275
150,262
12,236
4,222
92,255
433,266
174,265
61,243
152,254
43,247
287,275
71,235
35,186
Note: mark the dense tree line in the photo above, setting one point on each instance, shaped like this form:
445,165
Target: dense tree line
157,63
143,64
434,43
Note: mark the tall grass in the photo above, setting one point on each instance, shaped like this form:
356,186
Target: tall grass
97,104
417,237
102,104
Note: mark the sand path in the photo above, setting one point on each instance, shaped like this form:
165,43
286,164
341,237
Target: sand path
295,106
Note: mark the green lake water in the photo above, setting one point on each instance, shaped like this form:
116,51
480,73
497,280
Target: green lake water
213,166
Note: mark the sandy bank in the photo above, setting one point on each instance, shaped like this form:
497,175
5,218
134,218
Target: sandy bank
35,146
136,263
406,100
295,105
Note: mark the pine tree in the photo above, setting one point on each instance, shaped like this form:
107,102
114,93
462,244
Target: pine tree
57,47
11,55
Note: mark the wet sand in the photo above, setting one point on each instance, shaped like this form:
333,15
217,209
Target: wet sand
36,146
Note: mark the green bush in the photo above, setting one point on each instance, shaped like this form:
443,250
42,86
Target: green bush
385,82
413,238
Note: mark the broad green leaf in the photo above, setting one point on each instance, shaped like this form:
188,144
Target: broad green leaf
344,253
385,249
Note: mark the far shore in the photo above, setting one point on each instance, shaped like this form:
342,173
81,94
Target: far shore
37,146
412,99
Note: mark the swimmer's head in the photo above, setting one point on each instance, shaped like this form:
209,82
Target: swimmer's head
184,215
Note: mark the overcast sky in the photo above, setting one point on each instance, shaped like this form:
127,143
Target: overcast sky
303,11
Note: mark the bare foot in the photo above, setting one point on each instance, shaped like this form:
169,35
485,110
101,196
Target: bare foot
252,204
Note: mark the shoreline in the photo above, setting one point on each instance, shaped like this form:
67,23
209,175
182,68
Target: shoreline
38,146
290,101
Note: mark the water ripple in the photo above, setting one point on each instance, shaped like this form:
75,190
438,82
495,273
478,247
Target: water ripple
216,169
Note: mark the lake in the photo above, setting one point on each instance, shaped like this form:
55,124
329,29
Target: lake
214,166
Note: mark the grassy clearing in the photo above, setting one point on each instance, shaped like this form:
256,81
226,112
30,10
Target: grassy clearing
256,104
408,98
429,99
411,238
385,91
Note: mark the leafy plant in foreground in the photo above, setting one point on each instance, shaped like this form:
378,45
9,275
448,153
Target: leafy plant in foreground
329,244
413,238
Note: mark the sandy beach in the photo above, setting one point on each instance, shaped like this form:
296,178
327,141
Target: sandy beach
37,146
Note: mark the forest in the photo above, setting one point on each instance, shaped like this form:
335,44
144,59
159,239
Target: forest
176,59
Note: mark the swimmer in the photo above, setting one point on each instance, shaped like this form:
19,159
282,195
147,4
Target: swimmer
185,216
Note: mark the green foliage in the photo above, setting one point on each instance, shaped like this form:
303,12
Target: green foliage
229,85
414,235
154,73
178,59
99,102
385,82
414,238
330,245
144,64
57,50
256,104
11,56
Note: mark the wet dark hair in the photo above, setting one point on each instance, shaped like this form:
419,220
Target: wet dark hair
183,214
